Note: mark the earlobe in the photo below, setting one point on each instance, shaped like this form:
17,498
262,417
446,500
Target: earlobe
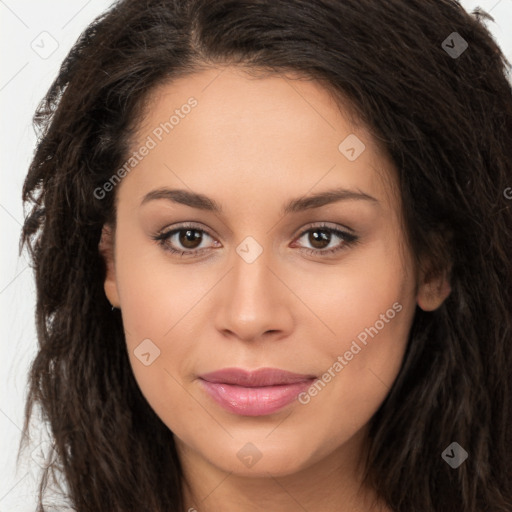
106,249
432,293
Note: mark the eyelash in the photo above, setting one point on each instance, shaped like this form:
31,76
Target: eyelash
348,239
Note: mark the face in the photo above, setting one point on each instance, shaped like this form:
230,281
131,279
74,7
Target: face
290,255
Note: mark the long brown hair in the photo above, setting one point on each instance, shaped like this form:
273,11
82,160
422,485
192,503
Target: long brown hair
441,107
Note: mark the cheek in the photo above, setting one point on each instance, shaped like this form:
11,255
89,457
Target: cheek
157,304
366,307
155,324
368,296
157,296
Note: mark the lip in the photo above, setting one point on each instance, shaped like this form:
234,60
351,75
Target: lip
254,393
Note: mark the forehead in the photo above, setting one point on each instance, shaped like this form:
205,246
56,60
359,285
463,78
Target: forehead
225,126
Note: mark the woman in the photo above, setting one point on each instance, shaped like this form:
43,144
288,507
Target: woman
271,243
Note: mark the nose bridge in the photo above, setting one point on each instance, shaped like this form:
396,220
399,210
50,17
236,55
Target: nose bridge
251,273
253,301
251,286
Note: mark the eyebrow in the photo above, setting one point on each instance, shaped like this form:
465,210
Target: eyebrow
202,202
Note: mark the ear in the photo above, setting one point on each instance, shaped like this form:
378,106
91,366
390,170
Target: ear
432,291
106,249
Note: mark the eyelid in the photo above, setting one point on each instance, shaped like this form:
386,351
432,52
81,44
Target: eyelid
182,227
346,234
326,225
165,233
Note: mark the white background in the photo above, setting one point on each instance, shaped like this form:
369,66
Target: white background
29,31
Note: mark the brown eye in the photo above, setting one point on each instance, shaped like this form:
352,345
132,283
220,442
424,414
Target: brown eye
320,238
185,240
189,238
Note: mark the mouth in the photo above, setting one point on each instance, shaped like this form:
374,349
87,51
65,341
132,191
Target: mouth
254,393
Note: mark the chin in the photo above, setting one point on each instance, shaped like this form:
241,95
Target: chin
260,458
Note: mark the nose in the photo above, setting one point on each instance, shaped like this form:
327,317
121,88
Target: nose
255,302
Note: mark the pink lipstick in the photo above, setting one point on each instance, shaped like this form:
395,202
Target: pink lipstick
254,393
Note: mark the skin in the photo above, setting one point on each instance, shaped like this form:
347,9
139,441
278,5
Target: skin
253,144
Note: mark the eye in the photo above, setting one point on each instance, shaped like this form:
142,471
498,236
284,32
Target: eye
321,237
184,240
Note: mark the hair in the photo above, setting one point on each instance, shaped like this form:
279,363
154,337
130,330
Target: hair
445,122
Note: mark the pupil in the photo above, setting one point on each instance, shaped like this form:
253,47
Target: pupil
191,236
324,237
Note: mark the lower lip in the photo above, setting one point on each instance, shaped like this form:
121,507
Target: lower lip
254,401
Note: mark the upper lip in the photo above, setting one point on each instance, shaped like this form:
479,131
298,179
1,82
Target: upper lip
255,378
